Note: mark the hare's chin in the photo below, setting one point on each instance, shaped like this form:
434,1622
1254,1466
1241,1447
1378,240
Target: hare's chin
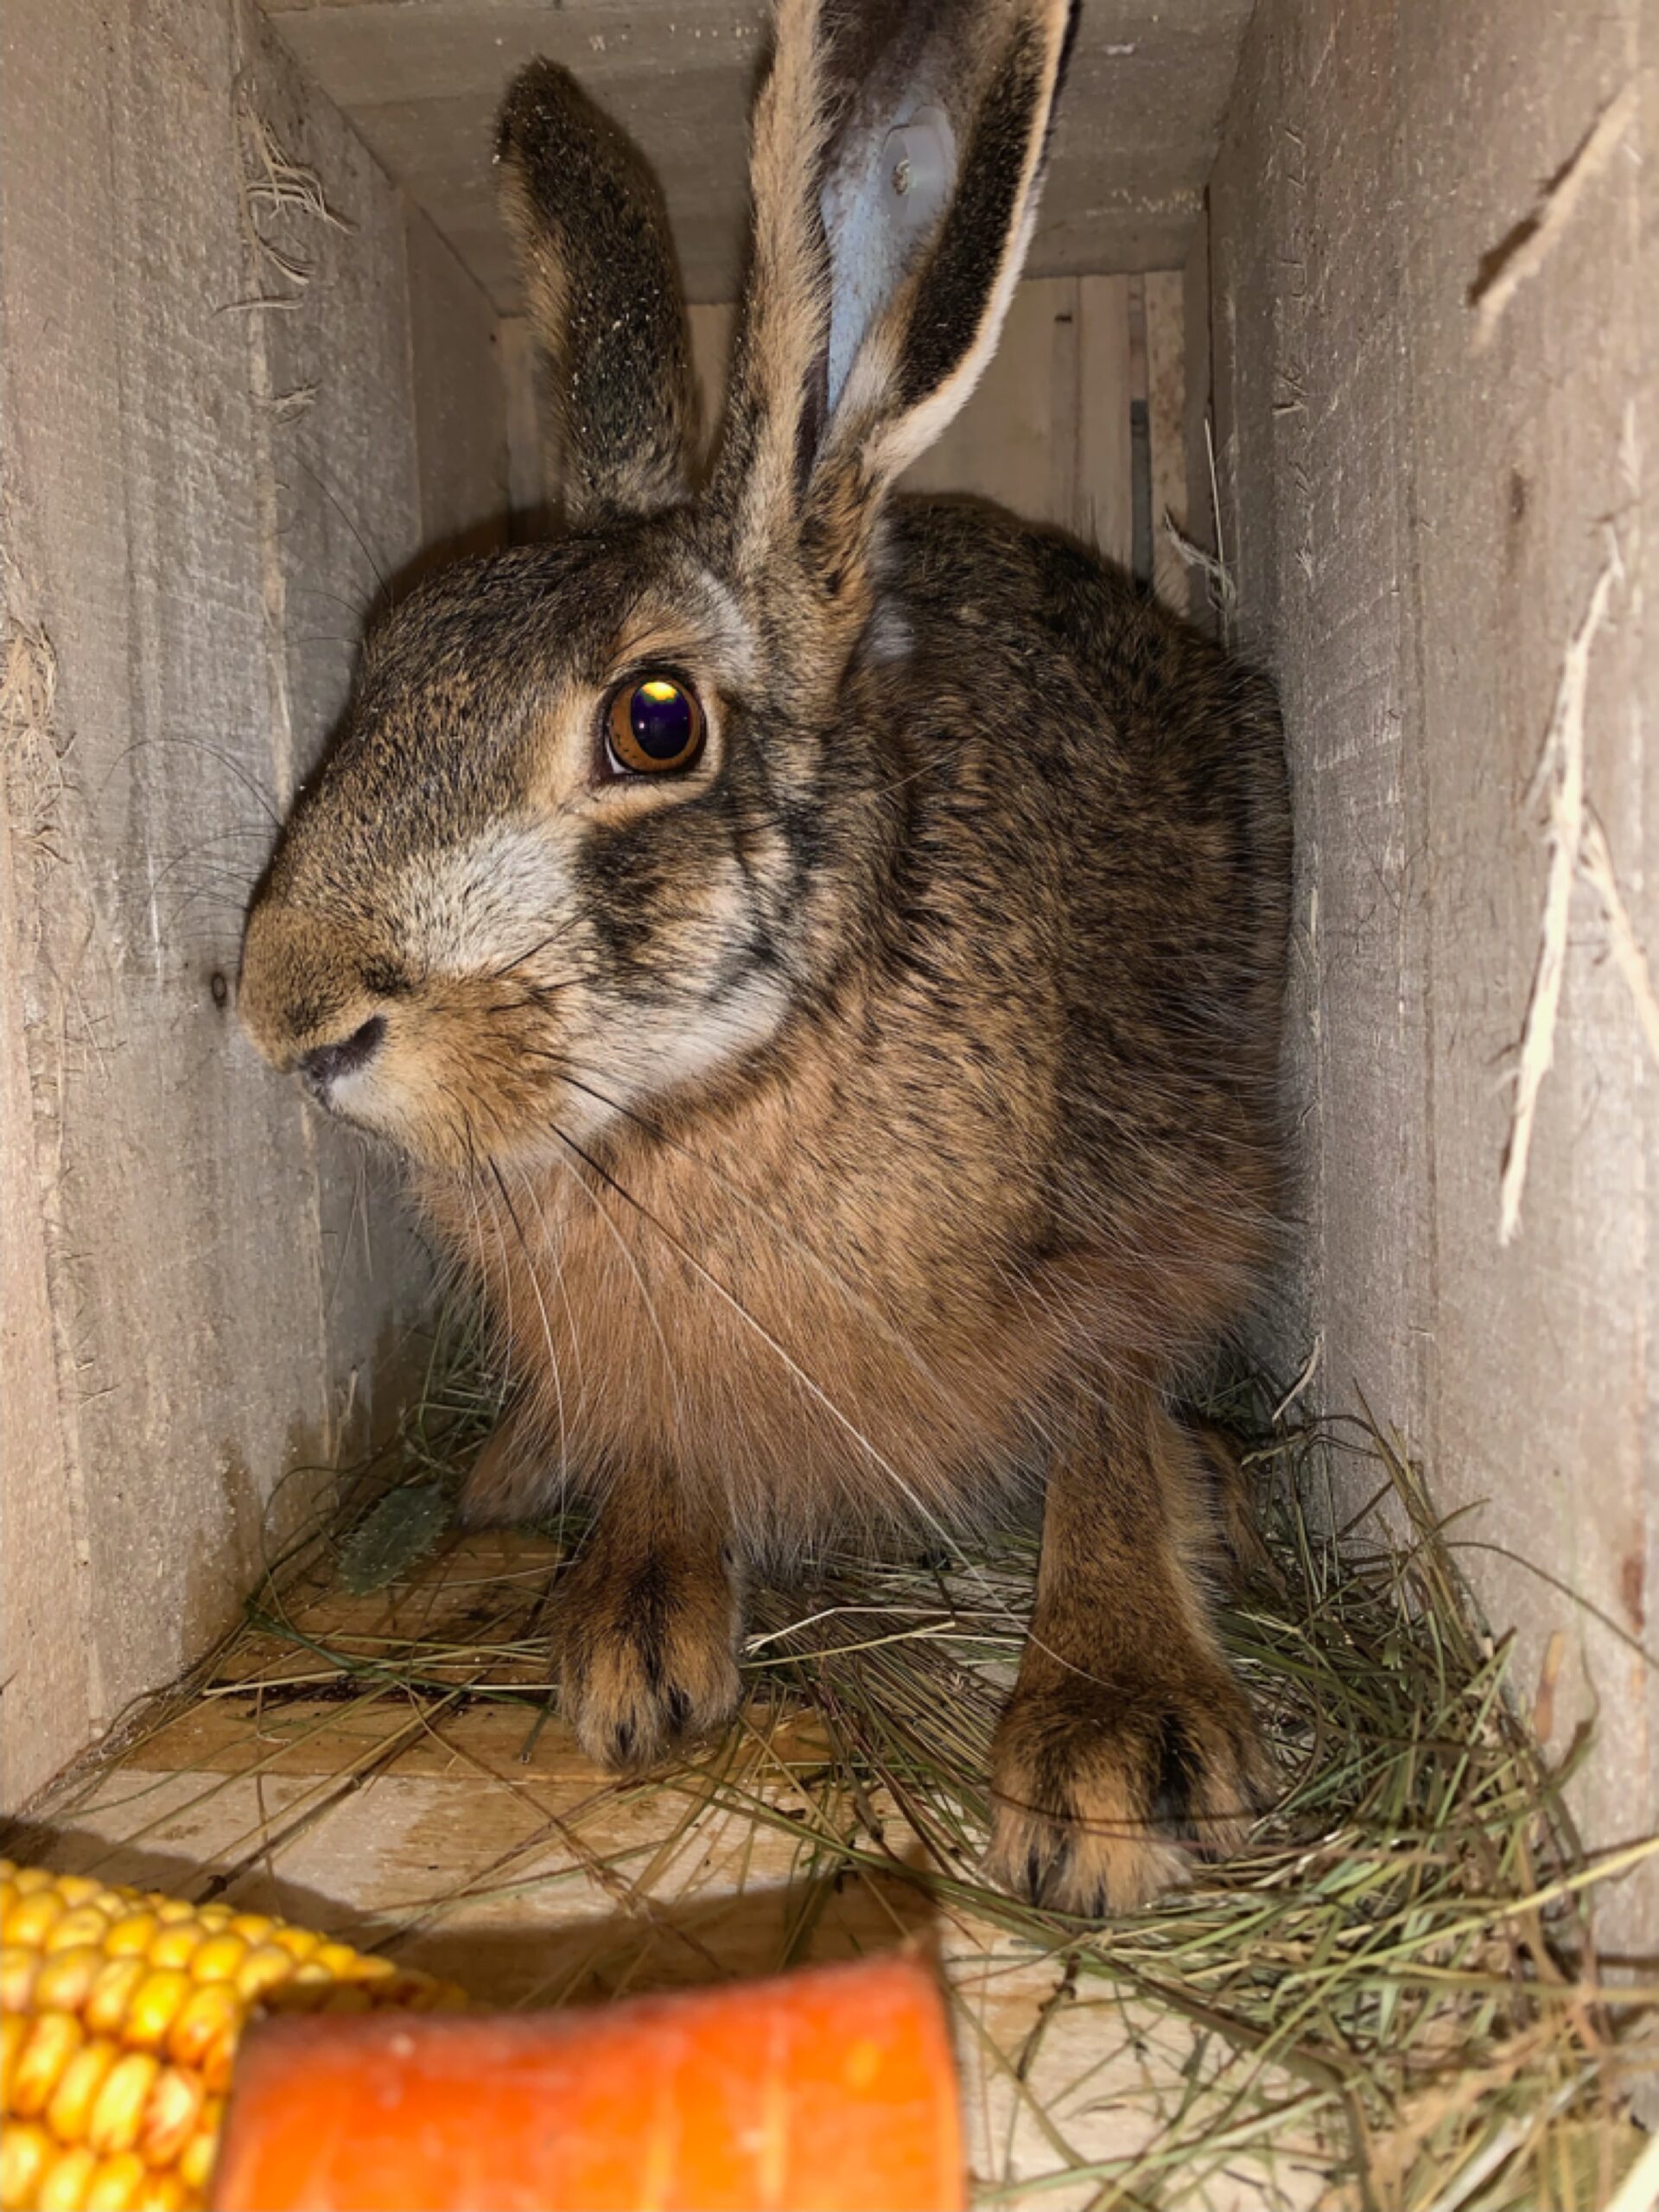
352,1102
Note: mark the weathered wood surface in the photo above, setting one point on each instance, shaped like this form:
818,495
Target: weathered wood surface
206,458
1147,86
1433,300
461,392
1166,427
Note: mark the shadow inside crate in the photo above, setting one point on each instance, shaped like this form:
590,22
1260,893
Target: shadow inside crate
678,1944
646,1944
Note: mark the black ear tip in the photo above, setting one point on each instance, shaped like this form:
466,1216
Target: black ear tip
535,100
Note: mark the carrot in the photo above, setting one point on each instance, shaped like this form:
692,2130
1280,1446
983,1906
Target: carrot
832,2090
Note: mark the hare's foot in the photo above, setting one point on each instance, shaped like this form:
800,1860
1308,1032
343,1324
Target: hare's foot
1127,1749
649,1625
1104,1792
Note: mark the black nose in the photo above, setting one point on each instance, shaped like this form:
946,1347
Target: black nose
326,1064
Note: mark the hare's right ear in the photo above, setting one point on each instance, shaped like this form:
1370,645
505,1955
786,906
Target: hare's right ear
898,157
604,298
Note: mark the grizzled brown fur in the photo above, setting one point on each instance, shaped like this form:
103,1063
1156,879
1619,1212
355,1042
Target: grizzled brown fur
860,1133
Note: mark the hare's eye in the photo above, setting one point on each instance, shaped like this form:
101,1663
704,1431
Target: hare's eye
652,727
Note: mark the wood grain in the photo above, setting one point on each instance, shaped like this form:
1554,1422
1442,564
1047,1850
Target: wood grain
1417,507
200,494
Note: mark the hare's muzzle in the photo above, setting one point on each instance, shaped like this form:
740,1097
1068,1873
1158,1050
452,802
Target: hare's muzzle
302,999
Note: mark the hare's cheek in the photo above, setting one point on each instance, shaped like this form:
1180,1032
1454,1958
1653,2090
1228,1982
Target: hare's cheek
484,905
658,1047
666,914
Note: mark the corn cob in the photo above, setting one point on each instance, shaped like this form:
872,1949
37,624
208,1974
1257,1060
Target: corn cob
120,2012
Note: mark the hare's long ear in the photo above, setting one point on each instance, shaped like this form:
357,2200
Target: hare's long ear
898,156
604,298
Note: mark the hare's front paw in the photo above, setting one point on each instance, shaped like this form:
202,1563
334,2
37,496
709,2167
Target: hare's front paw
1102,1793
648,1652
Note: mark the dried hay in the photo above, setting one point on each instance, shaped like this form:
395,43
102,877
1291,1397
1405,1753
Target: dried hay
1391,2000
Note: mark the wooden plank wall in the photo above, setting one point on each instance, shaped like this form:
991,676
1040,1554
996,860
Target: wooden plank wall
1047,433
212,449
1440,529
1146,87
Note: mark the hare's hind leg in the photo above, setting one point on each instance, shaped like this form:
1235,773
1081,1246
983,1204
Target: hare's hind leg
1127,1745
648,1625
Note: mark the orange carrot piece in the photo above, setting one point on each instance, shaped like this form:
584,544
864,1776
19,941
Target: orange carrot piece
832,2090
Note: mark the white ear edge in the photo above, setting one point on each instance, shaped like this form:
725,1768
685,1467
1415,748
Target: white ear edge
910,436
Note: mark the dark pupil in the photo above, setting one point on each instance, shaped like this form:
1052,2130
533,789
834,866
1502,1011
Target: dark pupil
659,715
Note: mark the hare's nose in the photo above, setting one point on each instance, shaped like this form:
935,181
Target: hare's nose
325,1064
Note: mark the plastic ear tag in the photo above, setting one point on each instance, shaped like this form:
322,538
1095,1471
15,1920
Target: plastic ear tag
916,166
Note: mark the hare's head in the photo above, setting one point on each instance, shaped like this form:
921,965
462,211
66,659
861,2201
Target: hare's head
609,811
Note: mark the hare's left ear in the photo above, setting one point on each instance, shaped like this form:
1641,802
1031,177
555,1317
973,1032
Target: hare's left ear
604,298
898,157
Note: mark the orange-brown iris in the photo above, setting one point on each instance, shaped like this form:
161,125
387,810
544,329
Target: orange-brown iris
654,726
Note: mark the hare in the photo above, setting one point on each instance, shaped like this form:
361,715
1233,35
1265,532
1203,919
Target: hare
821,954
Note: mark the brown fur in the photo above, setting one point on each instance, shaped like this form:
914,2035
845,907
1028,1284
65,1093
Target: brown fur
856,1134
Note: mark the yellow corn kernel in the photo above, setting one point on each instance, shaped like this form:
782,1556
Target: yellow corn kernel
207,2015
110,1999
175,1946
63,2186
218,1959
32,1917
66,1978
86,1924
154,2002
340,1960
218,2062
18,1967
79,1889
120,2016
53,2041
265,1967
162,2193
117,2116
13,2033
170,2116
133,1934
25,2153
196,2159
115,2186
304,1992
69,2111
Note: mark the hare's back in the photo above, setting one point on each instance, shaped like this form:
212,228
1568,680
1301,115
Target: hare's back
1130,770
